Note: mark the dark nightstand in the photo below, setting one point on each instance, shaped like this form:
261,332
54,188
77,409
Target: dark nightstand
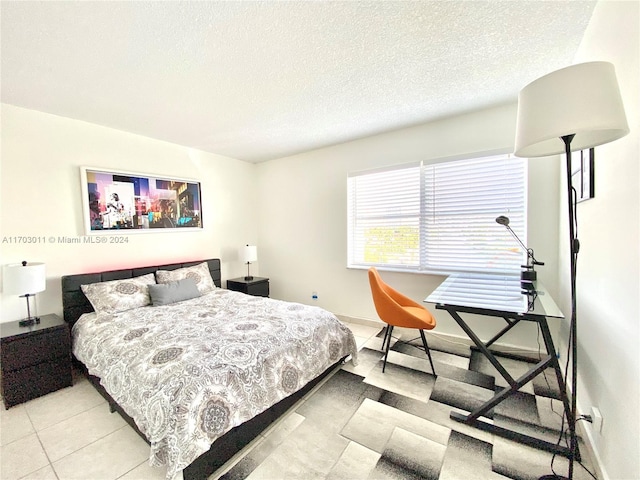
36,360
258,286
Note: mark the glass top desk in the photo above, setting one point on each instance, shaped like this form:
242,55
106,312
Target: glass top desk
502,296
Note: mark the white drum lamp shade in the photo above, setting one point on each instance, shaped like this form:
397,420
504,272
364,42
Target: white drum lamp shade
250,254
24,278
582,99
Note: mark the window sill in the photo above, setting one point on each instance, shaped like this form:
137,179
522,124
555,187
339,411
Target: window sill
439,273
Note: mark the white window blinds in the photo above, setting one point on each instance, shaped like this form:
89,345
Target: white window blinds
461,202
439,217
384,218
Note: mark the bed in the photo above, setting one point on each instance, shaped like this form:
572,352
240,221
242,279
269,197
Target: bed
198,371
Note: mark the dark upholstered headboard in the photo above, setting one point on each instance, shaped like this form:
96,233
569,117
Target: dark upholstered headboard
74,302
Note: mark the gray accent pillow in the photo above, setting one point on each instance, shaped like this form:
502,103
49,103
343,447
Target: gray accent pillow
172,292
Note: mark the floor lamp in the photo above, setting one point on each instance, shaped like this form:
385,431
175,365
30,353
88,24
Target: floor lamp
571,109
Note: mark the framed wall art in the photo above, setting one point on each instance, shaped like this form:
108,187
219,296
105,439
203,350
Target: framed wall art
122,202
582,174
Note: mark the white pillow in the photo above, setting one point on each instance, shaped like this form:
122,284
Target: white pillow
119,295
200,273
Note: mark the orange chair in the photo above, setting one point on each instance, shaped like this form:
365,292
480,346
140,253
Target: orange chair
397,310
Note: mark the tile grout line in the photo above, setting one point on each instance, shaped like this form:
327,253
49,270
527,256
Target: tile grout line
26,410
132,469
37,432
96,441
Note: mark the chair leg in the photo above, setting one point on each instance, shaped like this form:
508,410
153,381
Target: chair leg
386,351
384,339
426,349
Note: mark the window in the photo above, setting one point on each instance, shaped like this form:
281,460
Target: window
438,217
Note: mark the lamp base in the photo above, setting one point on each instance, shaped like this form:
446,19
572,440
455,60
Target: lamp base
248,278
27,322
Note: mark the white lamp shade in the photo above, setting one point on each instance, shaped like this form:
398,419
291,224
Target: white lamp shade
250,253
582,99
18,279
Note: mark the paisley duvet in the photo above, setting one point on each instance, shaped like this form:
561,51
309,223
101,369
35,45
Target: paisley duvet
190,371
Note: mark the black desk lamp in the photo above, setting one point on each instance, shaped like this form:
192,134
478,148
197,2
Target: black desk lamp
575,108
528,275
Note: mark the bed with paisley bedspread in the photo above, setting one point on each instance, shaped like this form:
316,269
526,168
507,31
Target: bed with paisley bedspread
193,373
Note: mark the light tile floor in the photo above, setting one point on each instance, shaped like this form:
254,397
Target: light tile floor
70,434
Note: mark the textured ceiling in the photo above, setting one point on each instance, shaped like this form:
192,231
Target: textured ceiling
263,80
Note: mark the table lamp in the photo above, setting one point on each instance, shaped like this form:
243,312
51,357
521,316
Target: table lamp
575,108
249,254
25,279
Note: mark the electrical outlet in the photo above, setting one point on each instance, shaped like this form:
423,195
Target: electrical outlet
314,296
596,417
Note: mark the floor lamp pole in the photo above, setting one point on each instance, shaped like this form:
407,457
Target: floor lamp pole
573,328
573,335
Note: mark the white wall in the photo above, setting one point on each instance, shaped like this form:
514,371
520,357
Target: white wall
40,197
303,219
608,266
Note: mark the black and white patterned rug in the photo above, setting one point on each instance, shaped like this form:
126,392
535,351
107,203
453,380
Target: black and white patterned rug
365,424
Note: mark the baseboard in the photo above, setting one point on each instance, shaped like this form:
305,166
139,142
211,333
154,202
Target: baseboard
592,453
361,321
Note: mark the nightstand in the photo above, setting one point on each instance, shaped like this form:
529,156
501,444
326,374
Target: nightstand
258,286
36,360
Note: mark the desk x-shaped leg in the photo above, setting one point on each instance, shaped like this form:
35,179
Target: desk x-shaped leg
515,384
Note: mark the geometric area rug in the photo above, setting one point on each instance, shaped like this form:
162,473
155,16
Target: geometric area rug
365,424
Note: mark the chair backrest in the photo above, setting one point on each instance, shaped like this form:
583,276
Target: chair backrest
391,305
381,299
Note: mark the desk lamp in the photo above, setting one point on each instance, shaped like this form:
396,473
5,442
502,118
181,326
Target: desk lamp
528,275
24,279
575,108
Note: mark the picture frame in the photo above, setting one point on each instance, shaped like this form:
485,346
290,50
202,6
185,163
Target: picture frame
129,202
582,174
